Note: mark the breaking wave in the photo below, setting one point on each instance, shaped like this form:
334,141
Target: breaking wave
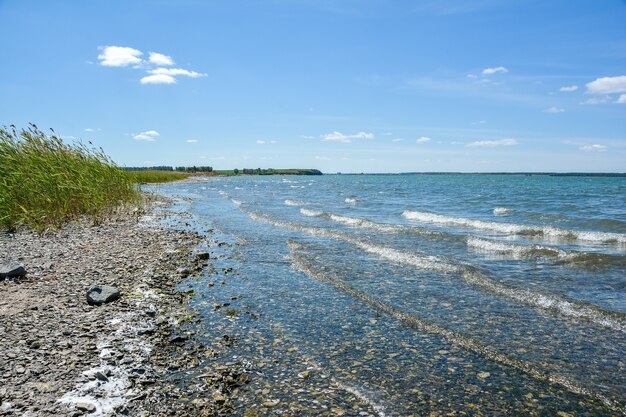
516,229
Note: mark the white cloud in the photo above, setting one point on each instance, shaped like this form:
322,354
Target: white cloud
273,141
340,137
175,71
192,141
600,100
160,59
492,143
148,136
423,139
621,99
158,79
260,142
307,137
322,158
472,76
397,140
554,110
89,129
607,85
119,56
569,88
593,148
491,71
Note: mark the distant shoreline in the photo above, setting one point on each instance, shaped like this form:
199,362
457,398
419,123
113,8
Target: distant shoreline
518,174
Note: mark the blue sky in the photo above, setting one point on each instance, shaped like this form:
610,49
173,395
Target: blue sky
345,85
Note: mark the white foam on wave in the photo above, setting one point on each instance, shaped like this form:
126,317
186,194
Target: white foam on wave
311,213
515,229
236,202
493,246
295,203
351,200
470,275
501,211
356,222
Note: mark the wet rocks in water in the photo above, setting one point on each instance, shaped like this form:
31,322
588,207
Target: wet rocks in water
11,270
101,294
202,256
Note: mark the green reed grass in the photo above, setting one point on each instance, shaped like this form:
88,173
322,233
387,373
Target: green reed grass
153,176
45,182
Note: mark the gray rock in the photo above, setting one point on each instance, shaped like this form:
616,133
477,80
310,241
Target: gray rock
87,407
203,256
101,294
12,270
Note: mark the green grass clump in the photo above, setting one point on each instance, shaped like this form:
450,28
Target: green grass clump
45,182
147,177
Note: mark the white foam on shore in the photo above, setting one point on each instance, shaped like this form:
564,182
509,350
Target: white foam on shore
351,200
516,229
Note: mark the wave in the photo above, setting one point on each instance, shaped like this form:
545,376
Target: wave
295,203
351,200
311,212
516,229
471,275
301,264
368,224
529,251
501,211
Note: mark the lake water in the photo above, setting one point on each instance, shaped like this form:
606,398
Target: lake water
399,295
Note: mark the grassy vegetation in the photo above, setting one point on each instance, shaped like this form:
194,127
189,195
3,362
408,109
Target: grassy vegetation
153,176
45,182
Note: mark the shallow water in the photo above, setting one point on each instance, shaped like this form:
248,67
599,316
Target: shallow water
417,294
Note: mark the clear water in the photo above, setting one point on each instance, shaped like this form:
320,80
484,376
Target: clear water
491,295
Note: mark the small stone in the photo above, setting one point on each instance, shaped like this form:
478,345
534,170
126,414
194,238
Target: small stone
203,256
101,294
178,339
87,407
99,375
484,375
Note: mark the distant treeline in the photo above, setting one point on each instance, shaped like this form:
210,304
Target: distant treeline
270,171
170,168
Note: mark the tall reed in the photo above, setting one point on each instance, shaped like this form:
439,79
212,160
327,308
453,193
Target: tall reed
45,182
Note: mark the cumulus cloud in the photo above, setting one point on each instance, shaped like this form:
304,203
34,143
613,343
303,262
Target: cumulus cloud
621,99
492,143
607,85
122,56
89,129
260,142
158,79
340,137
175,71
161,59
192,141
423,139
495,70
119,56
593,148
554,110
569,88
148,136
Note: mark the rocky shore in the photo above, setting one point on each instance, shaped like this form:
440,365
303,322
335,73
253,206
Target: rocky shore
61,356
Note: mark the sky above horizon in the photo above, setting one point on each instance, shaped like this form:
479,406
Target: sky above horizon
341,86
